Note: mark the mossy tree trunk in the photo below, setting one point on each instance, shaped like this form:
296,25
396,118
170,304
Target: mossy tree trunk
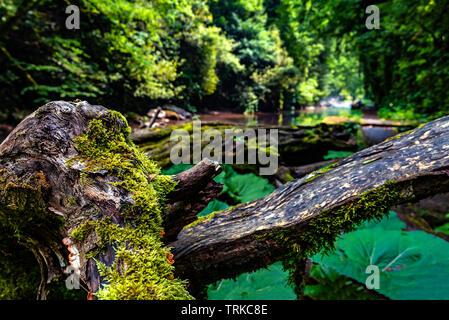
74,190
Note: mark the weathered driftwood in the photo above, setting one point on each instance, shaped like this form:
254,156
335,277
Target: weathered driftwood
45,198
408,167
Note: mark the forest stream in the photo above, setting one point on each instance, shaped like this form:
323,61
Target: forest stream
224,150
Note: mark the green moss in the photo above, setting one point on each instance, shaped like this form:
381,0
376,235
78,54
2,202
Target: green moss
143,266
289,177
80,234
315,174
322,231
24,217
71,201
371,160
202,219
400,135
312,136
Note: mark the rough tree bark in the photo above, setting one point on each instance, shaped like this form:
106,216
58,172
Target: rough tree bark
45,199
408,167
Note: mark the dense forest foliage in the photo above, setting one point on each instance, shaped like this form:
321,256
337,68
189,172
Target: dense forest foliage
233,56
241,55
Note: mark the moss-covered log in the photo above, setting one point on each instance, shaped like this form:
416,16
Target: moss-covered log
307,214
75,191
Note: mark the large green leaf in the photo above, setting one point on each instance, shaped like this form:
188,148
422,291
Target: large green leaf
224,176
413,265
246,187
263,284
443,229
331,285
213,206
388,222
332,154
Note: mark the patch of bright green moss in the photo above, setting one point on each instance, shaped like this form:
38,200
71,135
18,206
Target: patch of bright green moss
288,177
71,201
315,174
143,266
81,233
24,217
202,219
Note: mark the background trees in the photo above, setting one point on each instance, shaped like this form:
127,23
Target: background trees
213,54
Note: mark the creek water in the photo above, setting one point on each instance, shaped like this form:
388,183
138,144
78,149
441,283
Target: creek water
374,129
306,116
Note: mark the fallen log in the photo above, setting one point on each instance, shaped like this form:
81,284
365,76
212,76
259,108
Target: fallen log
285,174
297,146
75,192
194,190
307,214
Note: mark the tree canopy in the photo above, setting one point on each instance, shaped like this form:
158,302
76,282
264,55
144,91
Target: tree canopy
242,55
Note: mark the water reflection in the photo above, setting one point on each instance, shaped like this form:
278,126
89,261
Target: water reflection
309,116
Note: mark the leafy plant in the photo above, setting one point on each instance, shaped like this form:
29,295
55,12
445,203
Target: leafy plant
177,168
246,187
213,206
331,285
332,154
413,265
443,228
263,284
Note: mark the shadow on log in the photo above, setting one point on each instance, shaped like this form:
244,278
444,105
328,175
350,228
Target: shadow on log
45,197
